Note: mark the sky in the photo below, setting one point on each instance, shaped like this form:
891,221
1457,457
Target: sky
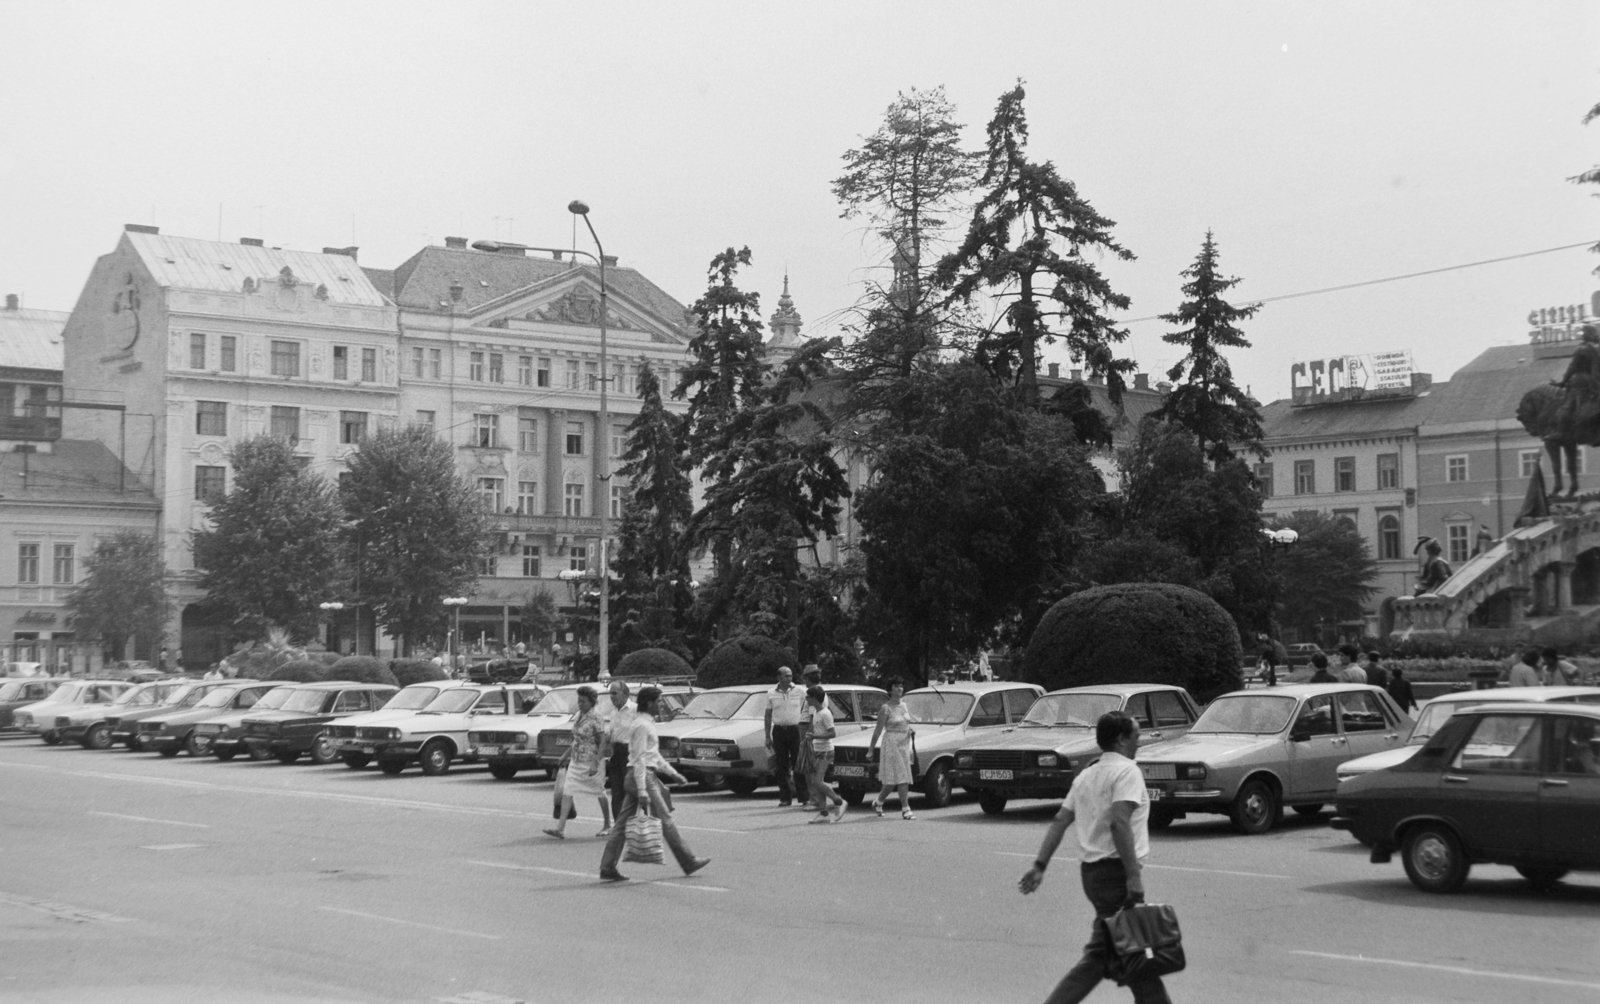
1323,144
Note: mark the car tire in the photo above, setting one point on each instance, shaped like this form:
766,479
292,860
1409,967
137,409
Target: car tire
286,757
225,755
1542,877
321,752
993,803
1434,859
51,738
355,761
1256,808
258,752
502,771
391,766
98,737
193,745
170,750
435,758
1309,811
853,796
742,786
713,782
1161,817
936,787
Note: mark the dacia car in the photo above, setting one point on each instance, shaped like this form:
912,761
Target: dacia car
172,730
436,736
298,726
46,718
97,728
20,693
734,752
223,735
706,710
553,742
351,738
516,744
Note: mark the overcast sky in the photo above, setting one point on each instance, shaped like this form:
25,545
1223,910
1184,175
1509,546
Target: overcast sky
1324,144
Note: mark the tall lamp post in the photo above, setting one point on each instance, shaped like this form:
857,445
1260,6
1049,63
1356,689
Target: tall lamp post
455,603
603,447
332,607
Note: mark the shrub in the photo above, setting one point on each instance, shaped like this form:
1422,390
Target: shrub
1144,632
326,658
409,671
652,662
750,658
296,671
360,669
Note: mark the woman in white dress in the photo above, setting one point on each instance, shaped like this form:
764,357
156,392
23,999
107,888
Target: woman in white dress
894,765
583,764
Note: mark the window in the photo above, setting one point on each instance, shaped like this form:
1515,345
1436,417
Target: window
591,376
617,495
1501,743
1344,474
1388,471
435,362
1264,478
527,498
1138,708
1528,460
211,418
619,440
28,564
197,351
229,351
542,376
1389,537
1360,712
573,500
572,374
1577,747
353,700
1168,710
497,368
341,363
1460,548
574,439
210,483
425,418
1017,703
578,558
492,492
1348,515
991,710
416,362
475,367
619,379
369,365
286,359
525,371
527,432
1316,718
1305,477
63,564
286,423
486,431
489,565
1455,467
352,426
530,561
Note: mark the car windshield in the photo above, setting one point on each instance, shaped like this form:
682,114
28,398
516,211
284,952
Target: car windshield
273,699
1073,710
557,702
1252,714
755,706
136,697
1435,715
8,691
717,706
927,707
452,701
412,698
189,697
217,697
305,700
65,692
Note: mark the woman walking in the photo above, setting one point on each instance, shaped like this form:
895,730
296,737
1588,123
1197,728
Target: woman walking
582,763
894,765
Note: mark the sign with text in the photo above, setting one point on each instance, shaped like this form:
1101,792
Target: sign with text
1344,378
1553,325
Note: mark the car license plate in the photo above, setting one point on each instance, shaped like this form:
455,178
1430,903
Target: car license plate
563,740
1155,794
706,752
488,751
995,775
849,770
368,750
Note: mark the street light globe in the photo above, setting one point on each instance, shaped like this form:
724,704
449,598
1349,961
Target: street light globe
454,601
332,606
578,207
1285,536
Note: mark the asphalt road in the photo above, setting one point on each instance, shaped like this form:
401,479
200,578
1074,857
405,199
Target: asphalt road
136,879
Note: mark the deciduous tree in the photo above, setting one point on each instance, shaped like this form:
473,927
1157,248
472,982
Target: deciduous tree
123,593
1326,576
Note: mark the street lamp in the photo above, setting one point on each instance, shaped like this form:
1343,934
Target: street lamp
1282,539
455,603
331,606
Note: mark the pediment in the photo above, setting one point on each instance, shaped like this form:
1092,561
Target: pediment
572,302
1459,517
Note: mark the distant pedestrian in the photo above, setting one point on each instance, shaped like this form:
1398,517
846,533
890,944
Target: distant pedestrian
894,761
1377,676
1267,662
1526,673
642,784
811,676
1558,671
1109,803
1350,670
582,763
782,720
822,736
1400,690
1320,663
618,733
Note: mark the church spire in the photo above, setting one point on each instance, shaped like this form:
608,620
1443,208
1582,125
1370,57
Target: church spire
786,322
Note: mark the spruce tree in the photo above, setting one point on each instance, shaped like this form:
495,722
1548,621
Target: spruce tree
652,558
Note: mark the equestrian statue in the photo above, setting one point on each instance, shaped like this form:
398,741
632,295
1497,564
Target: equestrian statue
1566,414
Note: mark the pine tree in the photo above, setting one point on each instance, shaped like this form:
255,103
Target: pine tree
1205,400
729,363
652,559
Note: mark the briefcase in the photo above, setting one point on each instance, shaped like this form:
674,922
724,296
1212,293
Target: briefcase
1145,943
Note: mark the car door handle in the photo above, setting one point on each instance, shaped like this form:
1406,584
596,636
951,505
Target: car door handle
1551,782
1392,735
1153,735
1340,741
1456,778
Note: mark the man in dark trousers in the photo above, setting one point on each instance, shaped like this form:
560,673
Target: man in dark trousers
618,733
782,724
1400,689
1109,803
1377,676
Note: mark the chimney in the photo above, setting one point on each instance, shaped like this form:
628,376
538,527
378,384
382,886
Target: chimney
140,228
1077,375
459,243
456,289
556,255
610,260
254,242
1141,381
11,302
1164,387
1055,370
347,252
1419,381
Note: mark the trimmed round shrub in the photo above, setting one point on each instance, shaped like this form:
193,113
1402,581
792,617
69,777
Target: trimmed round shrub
750,658
409,671
1137,632
652,662
297,671
360,669
325,659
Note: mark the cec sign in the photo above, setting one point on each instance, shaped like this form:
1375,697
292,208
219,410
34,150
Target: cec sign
1344,377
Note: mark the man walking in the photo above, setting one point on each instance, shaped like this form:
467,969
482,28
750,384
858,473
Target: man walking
641,784
1350,670
1526,673
618,733
1109,803
1320,662
811,677
784,703
1400,690
1377,676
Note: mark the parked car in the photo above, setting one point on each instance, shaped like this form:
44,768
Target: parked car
19,693
734,752
223,735
41,718
1039,756
706,710
349,737
513,745
1436,712
92,725
437,735
1252,752
297,727
1511,784
554,741
171,730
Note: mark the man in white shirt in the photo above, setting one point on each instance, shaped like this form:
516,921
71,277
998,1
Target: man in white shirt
618,732
640,782
1109,803
821,738
784,703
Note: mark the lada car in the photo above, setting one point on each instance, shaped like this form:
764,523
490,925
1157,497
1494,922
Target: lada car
553,742
223,735
944,718
1252,752
19,693
46,718
1437,711
350,738
1038,757
437,735
1508,784
514,745
96,727
172,730
297,727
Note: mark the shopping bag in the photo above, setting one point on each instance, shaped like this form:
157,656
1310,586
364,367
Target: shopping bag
1145,943
555,794
644,838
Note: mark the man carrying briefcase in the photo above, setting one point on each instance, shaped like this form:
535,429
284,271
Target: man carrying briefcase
1109,802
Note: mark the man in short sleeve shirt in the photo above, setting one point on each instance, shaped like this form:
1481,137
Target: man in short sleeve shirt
784,704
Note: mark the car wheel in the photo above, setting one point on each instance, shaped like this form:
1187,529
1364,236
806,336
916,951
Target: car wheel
550,773
854,796
1542,878
286,757
98,737
322,751
713,782
355,761
225,755
1309,811
742,786
936,786
132,744
51,738
1161,817
391,766
1434,859
993,803
170,750
258,752
195,745
502,771
1255,809
435,758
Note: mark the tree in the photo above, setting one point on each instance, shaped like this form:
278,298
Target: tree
539,617
1205,399
1326,577
271,553
729,363
743,659
1029,241
417,530
652,560
123,594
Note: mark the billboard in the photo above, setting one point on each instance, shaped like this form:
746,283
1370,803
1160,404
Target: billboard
1344,378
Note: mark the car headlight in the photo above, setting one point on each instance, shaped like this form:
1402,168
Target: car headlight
964,761
1191,772
1047,759
521,737
393,734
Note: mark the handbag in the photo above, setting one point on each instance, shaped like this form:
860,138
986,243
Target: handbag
1145,943
644,838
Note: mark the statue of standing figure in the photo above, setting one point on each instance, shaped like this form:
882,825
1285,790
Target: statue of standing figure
1566,414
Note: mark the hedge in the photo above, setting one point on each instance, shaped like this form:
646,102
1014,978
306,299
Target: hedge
750,658
360,669
653,662
409,671
1138,632
297,671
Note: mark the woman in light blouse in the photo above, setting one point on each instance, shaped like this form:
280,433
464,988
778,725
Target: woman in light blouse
894,766
583,763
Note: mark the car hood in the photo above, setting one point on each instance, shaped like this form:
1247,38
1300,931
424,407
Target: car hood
1073,742
378,717
927,736
1379,760
282,716
1207,748
458,721
178,716
685,727
141,714
743,729
39,709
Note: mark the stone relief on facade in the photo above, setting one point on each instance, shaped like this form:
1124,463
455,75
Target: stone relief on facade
212,453
258,360
490,460
388,365
316,360
576,306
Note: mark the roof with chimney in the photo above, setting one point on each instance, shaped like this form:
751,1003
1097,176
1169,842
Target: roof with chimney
31,339
1282,420
191,263
1492,385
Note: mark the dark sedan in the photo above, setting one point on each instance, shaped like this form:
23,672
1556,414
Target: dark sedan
299,725
1508,784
